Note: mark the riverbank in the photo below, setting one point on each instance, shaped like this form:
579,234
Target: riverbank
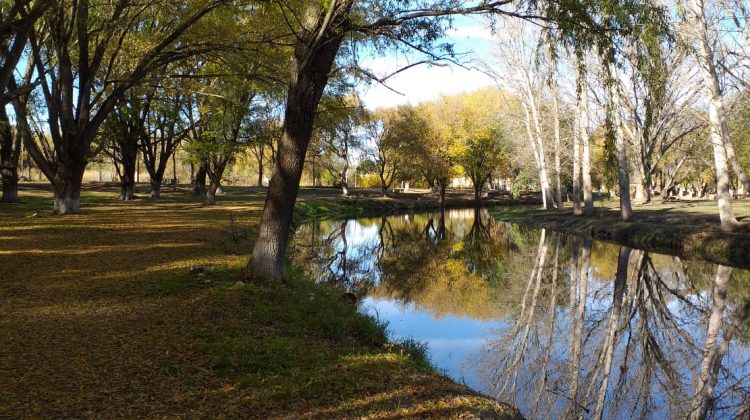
688,229
141,309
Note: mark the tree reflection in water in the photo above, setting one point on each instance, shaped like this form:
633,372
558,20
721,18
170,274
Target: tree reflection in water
583,329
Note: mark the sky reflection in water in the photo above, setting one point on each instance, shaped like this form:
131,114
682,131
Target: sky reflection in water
550,323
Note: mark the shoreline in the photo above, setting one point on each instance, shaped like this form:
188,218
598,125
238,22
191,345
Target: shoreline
658,228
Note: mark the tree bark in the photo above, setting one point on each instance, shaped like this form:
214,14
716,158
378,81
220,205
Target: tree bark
199,186
717,115
623,176
585,133
314,56
704,389
556,116
577,209
215,183
442,193
67,188
10,149
155,191
260,169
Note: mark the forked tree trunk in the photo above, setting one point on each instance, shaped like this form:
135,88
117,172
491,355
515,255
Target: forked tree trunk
717,114
311,68
215,183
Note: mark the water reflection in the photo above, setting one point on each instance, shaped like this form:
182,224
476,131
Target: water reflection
550,323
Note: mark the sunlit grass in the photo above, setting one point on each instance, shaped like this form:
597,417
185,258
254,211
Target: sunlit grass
102,317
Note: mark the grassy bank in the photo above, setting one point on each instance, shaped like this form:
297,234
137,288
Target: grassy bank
689,229
101,316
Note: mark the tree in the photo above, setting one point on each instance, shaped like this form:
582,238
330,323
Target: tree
481,147
338,135
698,31
522,73
87,56
318,37
17,21
385,147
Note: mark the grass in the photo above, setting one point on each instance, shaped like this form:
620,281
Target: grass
687,228
101,317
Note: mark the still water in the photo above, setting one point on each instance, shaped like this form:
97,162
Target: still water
551,323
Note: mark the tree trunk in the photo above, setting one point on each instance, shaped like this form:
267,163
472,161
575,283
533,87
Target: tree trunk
345,181
127,177
623,175
311,68
10,189
67,189
10,146
558,183
155,191
215,183
199,186
477,193
442,194
704,389
585,133
643,184
740,173
577,209
717,115
260,169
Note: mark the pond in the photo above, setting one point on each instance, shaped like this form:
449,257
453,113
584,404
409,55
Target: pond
551,323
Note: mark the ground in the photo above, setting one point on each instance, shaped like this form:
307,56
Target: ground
101,316
687,228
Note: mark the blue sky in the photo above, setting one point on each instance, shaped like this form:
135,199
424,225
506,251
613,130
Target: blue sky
422,83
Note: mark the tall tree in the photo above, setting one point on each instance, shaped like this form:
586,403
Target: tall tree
700,31
93,54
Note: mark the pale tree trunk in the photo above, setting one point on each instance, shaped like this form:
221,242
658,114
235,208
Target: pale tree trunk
344,179
577,209
704,386
614,319
734,163
539,158
717,114
556,117
580,317
623,175
585,133
314,56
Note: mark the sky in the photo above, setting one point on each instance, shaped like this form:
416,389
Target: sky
470,35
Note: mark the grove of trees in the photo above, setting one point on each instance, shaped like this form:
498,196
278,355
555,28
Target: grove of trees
632,98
